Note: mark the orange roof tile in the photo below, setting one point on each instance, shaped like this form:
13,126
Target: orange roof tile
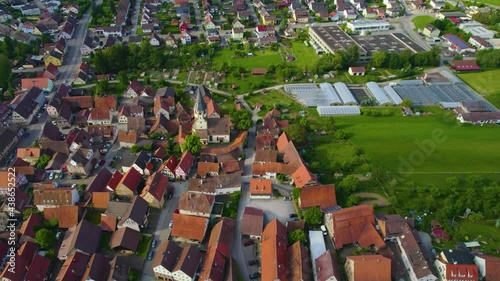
322,196
28,152
189,227
100,200
303,177
274,255
108,223
298,262
67,216
261,186
196,202
28,83
99,114
127,136
205,168
105,102
271,167
370,268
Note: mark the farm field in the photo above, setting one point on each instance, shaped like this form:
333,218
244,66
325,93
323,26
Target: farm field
485,83
425,150
422,21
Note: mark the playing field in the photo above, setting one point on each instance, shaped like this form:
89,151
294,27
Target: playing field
486,83
425,149
422,21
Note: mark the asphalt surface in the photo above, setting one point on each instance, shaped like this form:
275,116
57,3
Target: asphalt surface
135,17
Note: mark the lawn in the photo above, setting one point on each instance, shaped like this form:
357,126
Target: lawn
483,232
485,83
273,99
304,56
492,2
261,58
421,21
425,150
247,83
144,244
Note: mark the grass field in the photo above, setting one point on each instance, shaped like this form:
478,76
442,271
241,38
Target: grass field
304,56
260,59
395,144
486,83
481,232
492,2
422,21
272,99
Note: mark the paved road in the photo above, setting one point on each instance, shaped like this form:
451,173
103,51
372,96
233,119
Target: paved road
73,55
26,70
135,17
197,13
251,12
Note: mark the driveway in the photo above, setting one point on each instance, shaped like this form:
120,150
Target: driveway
274,209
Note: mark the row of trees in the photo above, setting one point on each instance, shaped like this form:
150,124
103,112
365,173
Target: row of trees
492,17
395,60
338,61
488,58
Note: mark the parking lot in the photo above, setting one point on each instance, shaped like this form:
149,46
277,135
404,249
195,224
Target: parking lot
274,209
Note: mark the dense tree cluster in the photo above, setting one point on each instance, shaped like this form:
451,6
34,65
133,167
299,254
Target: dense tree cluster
446,26
489,18
337,61
241,119
488,58
395,60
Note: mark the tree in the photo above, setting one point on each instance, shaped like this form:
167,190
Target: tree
296,132
297,235
349,184
45,238
313,216
193,144
475,217
353,54
242,119
452,181
42,161
407,103
5,71
296,193
102,87
135,149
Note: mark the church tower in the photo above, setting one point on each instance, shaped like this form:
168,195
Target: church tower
200,113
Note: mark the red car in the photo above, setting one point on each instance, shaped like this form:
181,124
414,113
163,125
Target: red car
248,243
102,162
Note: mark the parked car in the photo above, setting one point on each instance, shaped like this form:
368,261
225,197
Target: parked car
253,262
255,275
170,224
74,185
154,243
102,162
295,219
51,176
74,177
248,243
176,211
26,135
61,176
150,254
287,198
292,215
59,235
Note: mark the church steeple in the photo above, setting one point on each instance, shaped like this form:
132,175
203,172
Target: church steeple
199,105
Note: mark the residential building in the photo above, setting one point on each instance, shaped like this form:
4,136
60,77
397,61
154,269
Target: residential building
353,225
155,190
139,162
82,161
196,204
25,111
217,264
208,169
164,106
322,196
480,43
274,259
45,84
326,268
368,268
189,227
128,184
252,223
10,139
489,266
184,166
66,216
136,216
29,226
168,167
391,226
456,265
125,240
127,138
413,260
216,185
368,25
175,263
357,70
300,16
54,197
298,262
82,238
261,188
430,31
29,154
99,116
456,44
74,267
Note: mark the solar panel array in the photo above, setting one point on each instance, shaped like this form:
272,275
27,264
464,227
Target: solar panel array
338,110
436,94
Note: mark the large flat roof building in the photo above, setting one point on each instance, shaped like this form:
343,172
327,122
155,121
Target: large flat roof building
329,39
368,25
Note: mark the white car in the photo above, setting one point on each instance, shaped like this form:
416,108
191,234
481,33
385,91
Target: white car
73,185
51,176
170,224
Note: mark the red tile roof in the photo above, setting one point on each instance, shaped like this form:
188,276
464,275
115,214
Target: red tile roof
115,180
303,177
108,223
252,222
186,161
283,141
370,268
465,65
100,200
462,272
265,141
156,185
171,163
29,225
274,255
189,227
205,168
28,83
196,202
38,269
322,196
261,186
231,166
327,267
355,224
67,216
298,262
492,267
131,179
